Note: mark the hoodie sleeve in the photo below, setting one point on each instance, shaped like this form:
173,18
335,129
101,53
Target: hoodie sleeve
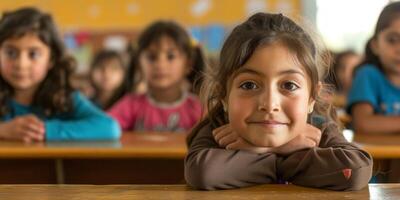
336,164
87,122
210,167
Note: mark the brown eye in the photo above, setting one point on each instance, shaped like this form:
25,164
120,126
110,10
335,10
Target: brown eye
393,40
248,85
171,56
290,86
34,54
152,57
10,53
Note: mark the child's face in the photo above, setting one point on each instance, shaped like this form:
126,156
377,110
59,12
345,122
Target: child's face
164,65
269,97
109,75
345,75
387,47
24,62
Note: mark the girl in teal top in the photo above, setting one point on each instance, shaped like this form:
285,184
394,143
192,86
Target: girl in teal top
37,101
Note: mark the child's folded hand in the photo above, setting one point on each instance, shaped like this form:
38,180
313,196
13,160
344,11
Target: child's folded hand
308,137
25,128
226,137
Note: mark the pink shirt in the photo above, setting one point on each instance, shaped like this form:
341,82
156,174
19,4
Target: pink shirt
140,113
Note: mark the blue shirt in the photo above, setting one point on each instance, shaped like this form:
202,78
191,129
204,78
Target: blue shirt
85,122
370,85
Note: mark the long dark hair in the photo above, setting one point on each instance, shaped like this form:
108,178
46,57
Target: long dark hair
152,34
337,66
103,56
389,13
259,30
54,93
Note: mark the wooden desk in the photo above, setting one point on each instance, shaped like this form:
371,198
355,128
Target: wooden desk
385,150
131,145
380,146
177,192
139,158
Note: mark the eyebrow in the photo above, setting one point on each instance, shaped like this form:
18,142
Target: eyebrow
6,45
159,49
251,71
393,33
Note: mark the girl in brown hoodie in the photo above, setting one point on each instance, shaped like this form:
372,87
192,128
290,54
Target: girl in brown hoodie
266,120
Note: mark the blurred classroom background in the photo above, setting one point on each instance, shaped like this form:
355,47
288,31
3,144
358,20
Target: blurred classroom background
90,25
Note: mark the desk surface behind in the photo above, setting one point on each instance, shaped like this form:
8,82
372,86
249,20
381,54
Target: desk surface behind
131,145
380,146
158,145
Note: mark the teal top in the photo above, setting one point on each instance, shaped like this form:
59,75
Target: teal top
85,122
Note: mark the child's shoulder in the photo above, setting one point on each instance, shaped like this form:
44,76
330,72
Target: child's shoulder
368,69
192,98
77,97
192,103
372,75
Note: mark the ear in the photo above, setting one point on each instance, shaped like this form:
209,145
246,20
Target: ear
374,47
312,100
224,105
311,107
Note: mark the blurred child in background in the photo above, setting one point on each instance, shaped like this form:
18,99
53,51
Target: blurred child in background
137,84
163,59
343,66
339,79
374,97
37,101
107,74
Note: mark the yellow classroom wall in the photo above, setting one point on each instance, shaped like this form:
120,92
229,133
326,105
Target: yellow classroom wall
98,20
122,14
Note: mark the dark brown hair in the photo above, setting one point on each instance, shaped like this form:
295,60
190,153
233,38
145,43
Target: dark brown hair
259,30
152,34
98,59
337,66
54,93
389,13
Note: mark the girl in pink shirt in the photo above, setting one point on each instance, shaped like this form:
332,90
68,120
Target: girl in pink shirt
164,58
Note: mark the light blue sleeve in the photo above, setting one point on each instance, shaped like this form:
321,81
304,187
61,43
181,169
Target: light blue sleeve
86,123
364,87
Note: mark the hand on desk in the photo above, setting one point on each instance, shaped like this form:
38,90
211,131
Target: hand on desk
27,128
308,137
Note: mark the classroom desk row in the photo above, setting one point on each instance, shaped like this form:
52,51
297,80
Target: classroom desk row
178,192
380,146
138,158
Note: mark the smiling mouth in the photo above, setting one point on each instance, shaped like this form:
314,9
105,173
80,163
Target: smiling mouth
268,123
19,76
160,75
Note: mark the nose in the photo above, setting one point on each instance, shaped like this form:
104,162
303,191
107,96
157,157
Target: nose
269,101
22,61
161,62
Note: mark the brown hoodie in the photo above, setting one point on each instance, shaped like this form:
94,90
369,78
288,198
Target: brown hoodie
335,164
